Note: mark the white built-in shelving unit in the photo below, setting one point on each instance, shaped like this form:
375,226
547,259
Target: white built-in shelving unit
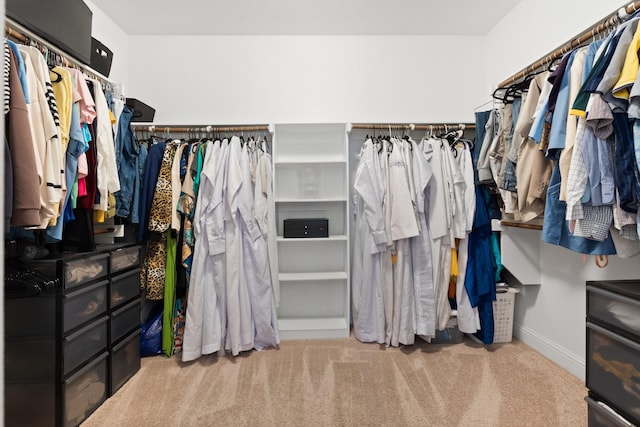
311,181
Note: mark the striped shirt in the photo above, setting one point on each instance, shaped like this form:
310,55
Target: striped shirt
7,90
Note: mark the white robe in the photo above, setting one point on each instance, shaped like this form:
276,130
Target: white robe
255,257
439,218
403,219
272,244
386,261
239,322
468,320
202,331
370,243
403,226
424,293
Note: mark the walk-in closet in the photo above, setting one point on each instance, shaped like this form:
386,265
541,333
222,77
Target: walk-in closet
336,214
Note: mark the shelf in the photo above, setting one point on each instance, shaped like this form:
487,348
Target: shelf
311,239
328,200
313,328
315,143
304,277
310,180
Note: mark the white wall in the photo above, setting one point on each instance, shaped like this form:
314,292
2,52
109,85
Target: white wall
534,28
551,317
295,79
111,35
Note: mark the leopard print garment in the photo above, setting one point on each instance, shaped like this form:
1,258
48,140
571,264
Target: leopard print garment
153,271
160,212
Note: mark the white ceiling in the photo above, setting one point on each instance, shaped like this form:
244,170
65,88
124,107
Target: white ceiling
306,17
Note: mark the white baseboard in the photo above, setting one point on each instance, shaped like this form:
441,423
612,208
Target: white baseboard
551,350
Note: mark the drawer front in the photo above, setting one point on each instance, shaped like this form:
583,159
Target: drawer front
125,287
30,359
125,320
613,370
601,415
125,361
125,258
85,391
29,404
84,270
85,343
84,304
614,309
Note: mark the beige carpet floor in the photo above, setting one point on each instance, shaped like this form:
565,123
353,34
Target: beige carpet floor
347,383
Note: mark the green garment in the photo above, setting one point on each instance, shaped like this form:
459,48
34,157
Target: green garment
495,247
202,150
169,296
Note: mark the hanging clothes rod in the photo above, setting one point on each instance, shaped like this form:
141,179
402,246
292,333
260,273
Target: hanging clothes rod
191,129
20,34
412,126
605,25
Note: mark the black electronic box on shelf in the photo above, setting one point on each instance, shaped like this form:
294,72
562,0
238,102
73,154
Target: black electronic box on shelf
306,227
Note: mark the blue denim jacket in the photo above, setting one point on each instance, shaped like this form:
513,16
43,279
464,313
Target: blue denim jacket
137,185
556,231
126,161
558,132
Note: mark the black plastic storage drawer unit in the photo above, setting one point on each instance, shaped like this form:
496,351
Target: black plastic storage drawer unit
72,345
613,350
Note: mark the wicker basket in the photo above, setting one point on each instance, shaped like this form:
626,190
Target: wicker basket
503,308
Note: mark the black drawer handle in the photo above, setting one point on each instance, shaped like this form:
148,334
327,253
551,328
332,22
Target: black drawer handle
126,341
614,296
87,368
125,275
76,334
87,289
615,337
83,259
124,309
611,415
